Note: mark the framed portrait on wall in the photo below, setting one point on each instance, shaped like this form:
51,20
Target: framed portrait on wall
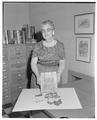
84,23
83,49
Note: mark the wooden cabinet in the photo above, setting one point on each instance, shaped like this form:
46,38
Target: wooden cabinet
6,82
15,59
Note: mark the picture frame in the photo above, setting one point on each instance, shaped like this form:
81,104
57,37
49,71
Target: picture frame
83,49
84,23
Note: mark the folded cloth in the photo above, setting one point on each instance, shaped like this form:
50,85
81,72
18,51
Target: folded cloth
48,82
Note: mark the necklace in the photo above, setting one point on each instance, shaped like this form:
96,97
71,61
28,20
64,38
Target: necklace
50,44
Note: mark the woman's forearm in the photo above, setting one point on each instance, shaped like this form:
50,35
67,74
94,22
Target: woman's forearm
35,69
34,66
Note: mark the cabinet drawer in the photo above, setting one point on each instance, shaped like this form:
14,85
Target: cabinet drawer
5,91
6,99
5,49
5,79
6,96
5,73
16,88
15,91
19,86
19,73
18,76
5,85
21,80
5,57
18,63
17,52
5,65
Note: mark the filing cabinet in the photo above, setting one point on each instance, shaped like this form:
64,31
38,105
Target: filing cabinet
20,82
14,71
6,83
17,52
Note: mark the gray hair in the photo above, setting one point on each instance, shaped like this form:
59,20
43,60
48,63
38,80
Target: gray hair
49,22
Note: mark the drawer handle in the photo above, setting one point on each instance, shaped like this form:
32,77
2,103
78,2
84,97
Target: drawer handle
5,77
19,79
4,56
19,75
18,62
20,87
5,83
30,46
5,90
18,53
6,96
17,50
4,70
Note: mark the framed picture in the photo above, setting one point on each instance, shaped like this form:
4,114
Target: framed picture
83,49
84,23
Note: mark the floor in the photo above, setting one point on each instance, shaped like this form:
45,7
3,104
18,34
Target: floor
20,115
7,113
25,115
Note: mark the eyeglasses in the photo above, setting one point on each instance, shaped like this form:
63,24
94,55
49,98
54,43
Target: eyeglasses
46,30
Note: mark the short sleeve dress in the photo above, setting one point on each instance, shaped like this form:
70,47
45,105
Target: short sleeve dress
49,57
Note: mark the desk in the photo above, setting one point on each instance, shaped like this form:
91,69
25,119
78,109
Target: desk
26,101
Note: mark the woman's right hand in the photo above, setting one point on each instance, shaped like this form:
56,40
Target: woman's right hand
38,80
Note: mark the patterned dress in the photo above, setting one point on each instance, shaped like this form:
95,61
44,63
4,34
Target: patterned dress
48,57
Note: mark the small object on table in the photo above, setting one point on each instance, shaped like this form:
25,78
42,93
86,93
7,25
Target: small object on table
53,98
51,95
50,101
58,102
38,99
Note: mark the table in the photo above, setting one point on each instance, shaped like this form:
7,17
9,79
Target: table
87,111
26,101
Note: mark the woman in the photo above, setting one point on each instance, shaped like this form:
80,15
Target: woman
48,54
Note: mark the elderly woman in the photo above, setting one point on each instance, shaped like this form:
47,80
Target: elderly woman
48,54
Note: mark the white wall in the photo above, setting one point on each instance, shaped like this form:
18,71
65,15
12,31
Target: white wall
15,15
63,16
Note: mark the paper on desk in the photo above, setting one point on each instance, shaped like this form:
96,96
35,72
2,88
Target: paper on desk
26,100
48,82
